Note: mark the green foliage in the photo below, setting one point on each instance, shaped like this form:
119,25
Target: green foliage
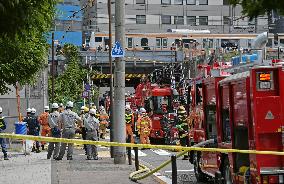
23,47
254,8
69,85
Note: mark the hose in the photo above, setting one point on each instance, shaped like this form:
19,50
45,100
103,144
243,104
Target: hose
135,178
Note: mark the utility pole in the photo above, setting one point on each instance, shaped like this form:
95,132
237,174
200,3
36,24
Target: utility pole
111,77
52,67
119,86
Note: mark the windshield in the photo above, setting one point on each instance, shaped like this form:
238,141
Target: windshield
161,104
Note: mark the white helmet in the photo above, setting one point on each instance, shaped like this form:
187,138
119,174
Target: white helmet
92,111
54,106
82,108
69,104
1,110
46,108
61,105
33,110
29,110
142,110
127,107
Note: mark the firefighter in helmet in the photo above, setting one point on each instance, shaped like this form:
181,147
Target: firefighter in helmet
103,122
144,126
182,126
43,120
129,118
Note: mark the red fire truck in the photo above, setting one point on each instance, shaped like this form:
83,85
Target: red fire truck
243,111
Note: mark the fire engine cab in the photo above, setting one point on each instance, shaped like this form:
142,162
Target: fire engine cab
244,111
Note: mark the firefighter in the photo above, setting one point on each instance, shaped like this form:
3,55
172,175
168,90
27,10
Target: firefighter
67,122
3,126
103,122
182,126
28,112
53,121
144,126
92,130
43,120
33,126
129,118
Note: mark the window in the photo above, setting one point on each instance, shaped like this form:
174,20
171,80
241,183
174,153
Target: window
178,20
226,2
166,19
165,1
203,20
140,1
191,2
191,20
203,2
98,39
140,19
178,1
159,102
226,20
211,121
129,42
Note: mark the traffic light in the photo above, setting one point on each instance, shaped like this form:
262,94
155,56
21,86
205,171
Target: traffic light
58,50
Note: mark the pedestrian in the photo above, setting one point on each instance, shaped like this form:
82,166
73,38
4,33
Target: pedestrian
144,126
103,122
3,126
67,122
129,120
33,127
92,132
53,121
43,120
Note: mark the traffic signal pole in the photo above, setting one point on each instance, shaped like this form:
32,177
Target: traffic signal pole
119,126
52,67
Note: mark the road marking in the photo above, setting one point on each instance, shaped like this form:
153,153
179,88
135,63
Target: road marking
140,153
191,170
161,152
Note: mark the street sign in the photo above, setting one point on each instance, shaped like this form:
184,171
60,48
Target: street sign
87,87
85,94
117,50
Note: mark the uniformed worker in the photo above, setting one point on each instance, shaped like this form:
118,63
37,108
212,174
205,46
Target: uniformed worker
103,122
92,133
61,108
67,122
129,120
182,126
33,127
53,121
144,126
3,126
84,116
43,120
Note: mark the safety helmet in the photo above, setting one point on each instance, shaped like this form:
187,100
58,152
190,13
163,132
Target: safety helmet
61,104
82,108
142,110
181,110
54,106
33,110
46,108
69,104
92,111
86,109
1,110
127,107
29,110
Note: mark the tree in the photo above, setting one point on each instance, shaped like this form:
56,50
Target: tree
68,85
23,46
254,8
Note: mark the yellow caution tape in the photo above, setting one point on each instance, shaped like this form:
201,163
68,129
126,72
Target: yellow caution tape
107,76
167,147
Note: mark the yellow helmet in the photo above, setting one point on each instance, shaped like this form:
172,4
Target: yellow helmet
86,109
181,110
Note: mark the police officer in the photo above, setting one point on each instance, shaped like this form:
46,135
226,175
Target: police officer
67,121
182,126
92,130
3,126
53,121
33,127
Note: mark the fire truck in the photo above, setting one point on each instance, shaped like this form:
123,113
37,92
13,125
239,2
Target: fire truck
243,111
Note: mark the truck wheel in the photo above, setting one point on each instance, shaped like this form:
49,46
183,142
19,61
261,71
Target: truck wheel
200,176
227,172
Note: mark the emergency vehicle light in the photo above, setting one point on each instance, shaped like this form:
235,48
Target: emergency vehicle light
265,81
265,77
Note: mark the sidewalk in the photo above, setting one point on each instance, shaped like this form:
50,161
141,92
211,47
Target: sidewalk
36,169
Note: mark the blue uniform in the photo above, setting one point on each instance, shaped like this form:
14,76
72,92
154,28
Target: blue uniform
3,126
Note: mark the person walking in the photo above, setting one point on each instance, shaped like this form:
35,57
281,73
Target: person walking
92,131
33,127
53,121
43,120
67,122
3,126
144,126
